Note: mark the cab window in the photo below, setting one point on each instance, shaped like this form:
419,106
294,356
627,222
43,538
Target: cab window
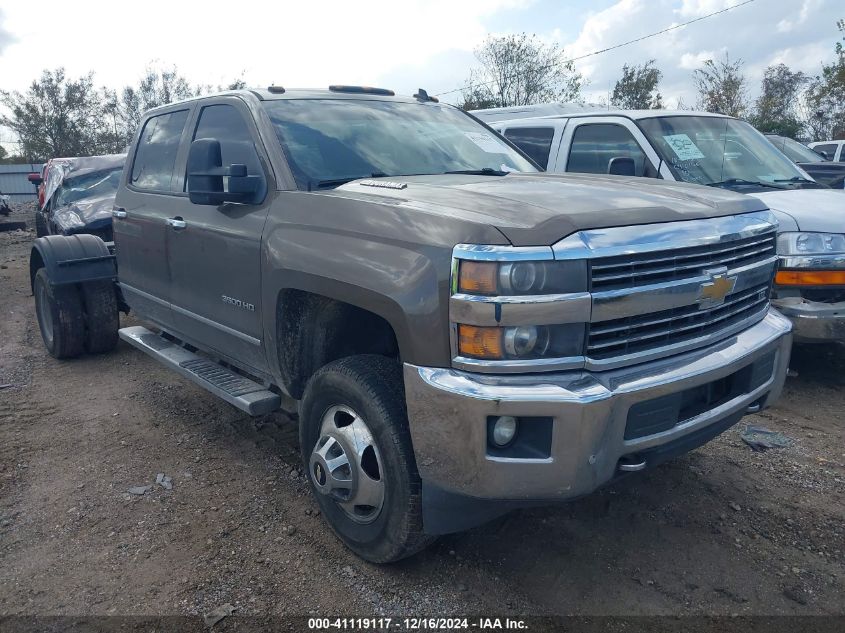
534,141
829,150
224,123
595,144
158,145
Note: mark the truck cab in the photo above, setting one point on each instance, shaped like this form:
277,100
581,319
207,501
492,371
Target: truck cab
711,150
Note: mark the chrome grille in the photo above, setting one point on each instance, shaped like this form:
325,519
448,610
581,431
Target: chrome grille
632,271
638,334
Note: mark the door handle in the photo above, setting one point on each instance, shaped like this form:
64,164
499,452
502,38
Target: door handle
118,213
177,223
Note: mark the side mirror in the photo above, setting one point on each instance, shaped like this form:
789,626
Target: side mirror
206,173
35,178
622,166
822,153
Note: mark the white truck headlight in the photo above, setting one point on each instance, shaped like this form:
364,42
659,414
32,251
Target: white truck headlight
807,243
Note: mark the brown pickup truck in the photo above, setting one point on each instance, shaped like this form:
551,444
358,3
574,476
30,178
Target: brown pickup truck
464,334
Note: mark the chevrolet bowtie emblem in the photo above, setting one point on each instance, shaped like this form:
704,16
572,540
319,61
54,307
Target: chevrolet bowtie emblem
714,291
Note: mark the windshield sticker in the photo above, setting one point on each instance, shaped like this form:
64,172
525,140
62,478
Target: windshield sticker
683,146
485,142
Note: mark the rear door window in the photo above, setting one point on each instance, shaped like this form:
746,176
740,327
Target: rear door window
534,141
155,157
595,144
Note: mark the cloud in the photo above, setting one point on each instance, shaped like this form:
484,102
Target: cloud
308,44
692,61
6,38
750,33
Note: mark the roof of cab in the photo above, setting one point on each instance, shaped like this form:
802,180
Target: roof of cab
295,93
566,110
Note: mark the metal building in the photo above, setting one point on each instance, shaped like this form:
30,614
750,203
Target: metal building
14,183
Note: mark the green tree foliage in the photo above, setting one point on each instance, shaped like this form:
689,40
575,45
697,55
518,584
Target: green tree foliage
721,87
58,116
520,70
825,97
156,88
776,109
637,89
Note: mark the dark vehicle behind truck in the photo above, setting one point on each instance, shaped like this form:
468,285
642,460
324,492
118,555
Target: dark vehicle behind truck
464,335
78,196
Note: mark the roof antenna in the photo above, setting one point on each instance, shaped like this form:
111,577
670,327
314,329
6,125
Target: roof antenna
422,95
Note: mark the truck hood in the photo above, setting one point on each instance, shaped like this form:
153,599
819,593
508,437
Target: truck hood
540,209
807,209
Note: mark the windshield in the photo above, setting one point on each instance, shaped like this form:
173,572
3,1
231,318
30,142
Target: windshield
799,152
92,185
329,141
719,151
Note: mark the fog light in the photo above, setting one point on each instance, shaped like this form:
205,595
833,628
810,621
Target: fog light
504,430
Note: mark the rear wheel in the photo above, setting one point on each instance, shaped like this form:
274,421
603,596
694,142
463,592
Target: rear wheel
101,316
357,451
60,317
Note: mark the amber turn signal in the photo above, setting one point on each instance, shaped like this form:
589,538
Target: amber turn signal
480,342
478,277
810,278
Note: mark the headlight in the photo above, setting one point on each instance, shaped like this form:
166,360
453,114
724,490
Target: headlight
514,309
521,342
521,277
810,243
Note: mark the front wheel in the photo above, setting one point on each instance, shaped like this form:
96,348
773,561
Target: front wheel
356,447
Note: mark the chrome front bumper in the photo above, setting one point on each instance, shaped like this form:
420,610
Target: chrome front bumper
814,322
448,411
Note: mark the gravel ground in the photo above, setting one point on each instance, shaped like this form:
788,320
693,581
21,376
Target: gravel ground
720,531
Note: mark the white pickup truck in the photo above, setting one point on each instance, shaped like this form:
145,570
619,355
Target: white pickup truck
706,149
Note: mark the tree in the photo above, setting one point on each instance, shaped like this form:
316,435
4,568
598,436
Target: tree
721,87
520,70
637,89
776,109
825,97
157,87
57,116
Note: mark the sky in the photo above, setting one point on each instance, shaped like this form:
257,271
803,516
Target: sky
400,44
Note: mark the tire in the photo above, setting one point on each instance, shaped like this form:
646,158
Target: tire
40,225
60,317
371,387
101,316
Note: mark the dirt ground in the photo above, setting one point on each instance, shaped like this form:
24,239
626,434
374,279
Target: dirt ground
720,531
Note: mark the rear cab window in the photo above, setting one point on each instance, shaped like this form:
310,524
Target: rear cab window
155,157
534,141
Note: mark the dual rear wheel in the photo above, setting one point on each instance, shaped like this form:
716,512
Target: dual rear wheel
76,318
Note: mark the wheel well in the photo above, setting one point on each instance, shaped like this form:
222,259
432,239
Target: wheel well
35,263
313,330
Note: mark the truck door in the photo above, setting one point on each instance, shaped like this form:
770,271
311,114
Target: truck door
589,143
151,194
214,251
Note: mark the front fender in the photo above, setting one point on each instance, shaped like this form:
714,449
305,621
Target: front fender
404,285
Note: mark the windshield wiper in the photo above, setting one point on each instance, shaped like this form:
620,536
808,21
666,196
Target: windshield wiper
741,181
797,179
485,171
337,182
